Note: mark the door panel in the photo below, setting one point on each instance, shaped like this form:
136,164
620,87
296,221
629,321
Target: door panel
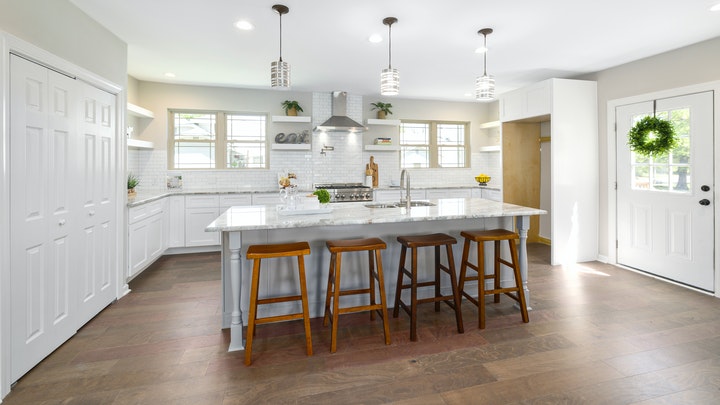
42,220
662,228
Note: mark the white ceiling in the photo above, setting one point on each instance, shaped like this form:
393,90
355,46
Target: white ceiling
326,41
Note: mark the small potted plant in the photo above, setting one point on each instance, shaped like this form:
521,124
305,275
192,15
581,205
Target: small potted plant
132,182
291,107
383,109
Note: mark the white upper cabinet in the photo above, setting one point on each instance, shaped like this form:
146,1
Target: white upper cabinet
528,102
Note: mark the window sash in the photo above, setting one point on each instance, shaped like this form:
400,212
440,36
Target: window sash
434,144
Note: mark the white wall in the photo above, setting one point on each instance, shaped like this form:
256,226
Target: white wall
682,67
345,164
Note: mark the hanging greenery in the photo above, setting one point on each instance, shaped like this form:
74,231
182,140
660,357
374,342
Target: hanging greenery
652,136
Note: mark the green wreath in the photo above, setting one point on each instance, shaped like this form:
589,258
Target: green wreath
652,136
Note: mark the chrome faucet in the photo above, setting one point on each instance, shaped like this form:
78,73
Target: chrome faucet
405,182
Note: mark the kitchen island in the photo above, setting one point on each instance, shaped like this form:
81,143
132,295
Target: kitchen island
248,225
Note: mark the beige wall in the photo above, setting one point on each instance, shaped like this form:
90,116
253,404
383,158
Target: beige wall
682,67
59,27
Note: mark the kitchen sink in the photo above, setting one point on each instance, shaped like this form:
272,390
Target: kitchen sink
400,204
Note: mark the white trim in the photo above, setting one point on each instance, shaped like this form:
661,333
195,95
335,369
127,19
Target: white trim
612,163
11,44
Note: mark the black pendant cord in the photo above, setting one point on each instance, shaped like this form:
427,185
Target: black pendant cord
654,108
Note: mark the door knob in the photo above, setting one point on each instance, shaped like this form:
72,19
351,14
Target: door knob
704,201
705,188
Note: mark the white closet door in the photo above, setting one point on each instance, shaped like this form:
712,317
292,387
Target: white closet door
43,215
97,175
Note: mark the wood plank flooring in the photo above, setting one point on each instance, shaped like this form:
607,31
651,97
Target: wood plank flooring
597,335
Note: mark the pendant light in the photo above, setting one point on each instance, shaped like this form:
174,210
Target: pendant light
279,69
389,78
485,84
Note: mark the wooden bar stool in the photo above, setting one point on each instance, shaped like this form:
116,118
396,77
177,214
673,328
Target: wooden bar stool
413,243
337,247
257,253
496,236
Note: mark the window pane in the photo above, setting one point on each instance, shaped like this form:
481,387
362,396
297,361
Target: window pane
451,134
414,157
660,178
641,177
245,154
415,134
451,157
194,126
246,127
194,155
681,179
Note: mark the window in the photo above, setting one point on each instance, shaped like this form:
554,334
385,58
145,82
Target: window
217,140
434,144
669,172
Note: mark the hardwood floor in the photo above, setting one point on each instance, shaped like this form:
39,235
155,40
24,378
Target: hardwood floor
597,334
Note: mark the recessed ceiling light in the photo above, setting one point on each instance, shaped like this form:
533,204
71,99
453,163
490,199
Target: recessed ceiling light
375,38
244,25
715,7
170,75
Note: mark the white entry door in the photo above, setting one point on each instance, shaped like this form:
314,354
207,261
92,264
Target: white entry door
665,204
43,215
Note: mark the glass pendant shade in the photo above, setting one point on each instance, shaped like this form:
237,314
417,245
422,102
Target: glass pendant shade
279,74
485,88
390,82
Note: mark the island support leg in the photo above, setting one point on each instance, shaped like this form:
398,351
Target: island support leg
236,326
523,224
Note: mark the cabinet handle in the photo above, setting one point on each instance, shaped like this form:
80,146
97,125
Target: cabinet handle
61,222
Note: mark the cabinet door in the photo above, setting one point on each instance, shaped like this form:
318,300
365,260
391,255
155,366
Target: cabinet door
156,237
196,220
495,195
138,255
448,193
176,221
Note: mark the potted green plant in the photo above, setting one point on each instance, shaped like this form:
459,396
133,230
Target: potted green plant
291,107
132,182
383,109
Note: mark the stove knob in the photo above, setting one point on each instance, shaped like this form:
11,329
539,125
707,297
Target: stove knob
353,196
367,196
340,196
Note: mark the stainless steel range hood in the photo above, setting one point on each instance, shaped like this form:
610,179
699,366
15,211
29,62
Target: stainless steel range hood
340,122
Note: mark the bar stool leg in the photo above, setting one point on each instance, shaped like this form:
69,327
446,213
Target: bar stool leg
328,293
481,284
454,287
463,266
306,312
383,300
253,311
518,282
398,286
336,304
437,277
371,273
413,296
496,286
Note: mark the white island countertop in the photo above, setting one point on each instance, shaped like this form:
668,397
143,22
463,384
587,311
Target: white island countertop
246,218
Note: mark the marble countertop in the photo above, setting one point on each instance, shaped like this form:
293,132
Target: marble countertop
245,218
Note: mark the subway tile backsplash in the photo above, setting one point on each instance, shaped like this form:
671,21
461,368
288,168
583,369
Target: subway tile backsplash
345,163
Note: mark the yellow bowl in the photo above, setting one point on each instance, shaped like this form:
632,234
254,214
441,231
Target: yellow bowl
483,178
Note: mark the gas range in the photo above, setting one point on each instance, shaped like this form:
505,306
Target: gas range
347,192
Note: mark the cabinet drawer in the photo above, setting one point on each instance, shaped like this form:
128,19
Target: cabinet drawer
266,199
202,201
229,200
141,212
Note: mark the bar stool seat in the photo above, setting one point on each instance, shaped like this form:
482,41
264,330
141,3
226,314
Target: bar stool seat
496,236
413,242
337,247
257,253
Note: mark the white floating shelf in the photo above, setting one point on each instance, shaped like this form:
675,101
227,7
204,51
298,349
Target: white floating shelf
291,146
139,111
384,148
495,148
491,124
287,118
373,121
138,144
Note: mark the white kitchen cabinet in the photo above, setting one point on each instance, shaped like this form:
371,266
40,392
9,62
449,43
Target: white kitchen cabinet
228,200
435,193
175,221
266,199
528,102
487,193
394,195
200,210
146,235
